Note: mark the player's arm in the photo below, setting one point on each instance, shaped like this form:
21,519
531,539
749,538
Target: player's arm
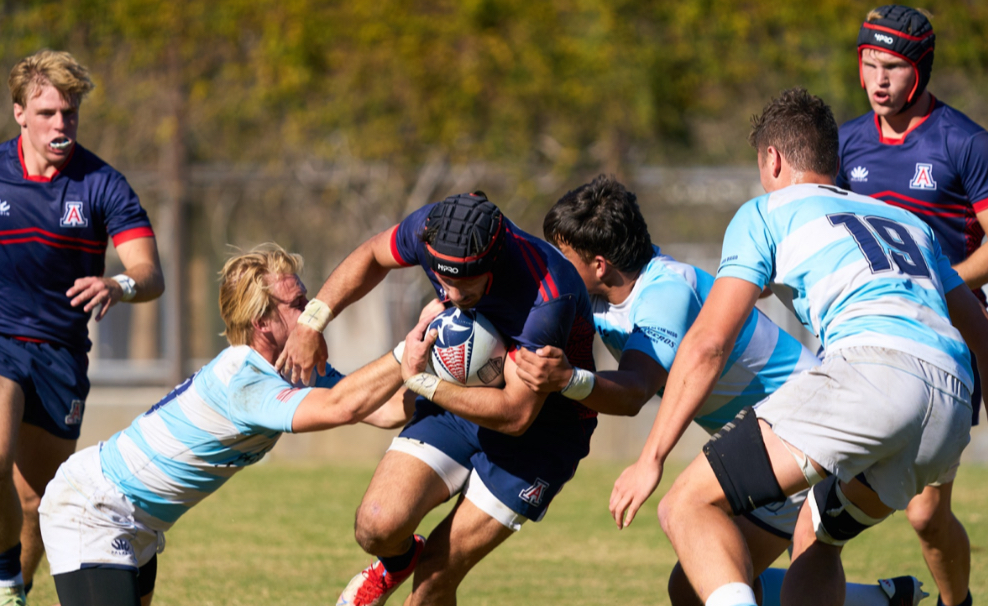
141,280
699,362
615,392
395,412
510,409
971,320
358,274
358,394
974,269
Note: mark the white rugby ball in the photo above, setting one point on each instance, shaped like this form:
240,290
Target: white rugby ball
468,350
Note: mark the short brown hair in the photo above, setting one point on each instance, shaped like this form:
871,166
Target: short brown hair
57,68
802,127
245,293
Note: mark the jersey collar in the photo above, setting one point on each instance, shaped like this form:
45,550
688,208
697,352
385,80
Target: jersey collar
40,178
900,140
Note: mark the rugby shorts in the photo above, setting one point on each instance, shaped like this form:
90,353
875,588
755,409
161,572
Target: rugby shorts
511,478
53,379
86,522
894,417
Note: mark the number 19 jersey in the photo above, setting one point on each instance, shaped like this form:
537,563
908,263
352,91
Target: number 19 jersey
854,270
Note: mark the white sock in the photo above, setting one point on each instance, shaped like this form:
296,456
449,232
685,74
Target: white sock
732,594
14,582
865,595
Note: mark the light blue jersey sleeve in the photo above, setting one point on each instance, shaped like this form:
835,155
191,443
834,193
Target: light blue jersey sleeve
749,249
663,313
260,400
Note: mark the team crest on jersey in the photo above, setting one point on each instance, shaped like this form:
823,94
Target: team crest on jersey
4,208
75,413
73,216
859,174
534,493
923,179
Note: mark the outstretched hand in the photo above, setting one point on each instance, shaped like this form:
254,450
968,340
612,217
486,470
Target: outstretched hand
544,370
632,489
304,352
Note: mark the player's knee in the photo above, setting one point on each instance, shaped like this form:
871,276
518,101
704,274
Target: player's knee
836,520
928,515
373,533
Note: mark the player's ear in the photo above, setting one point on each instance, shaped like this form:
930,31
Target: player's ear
600,267
19,115
774,159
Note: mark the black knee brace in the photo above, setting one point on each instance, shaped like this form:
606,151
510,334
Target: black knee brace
836,520
738,457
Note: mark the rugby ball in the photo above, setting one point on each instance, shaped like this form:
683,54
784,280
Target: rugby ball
468,350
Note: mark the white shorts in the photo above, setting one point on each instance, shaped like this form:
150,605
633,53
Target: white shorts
86,521
460,479
899,420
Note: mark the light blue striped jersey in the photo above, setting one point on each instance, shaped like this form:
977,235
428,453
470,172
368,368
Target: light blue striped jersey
225,417
854,270
662,306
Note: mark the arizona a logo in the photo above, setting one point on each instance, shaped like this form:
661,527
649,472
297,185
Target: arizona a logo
923,179
73,216
534,493
75,413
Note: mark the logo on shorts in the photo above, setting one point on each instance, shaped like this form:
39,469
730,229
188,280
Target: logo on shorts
73,216
75,413
858,173
121,547
923,179
534,493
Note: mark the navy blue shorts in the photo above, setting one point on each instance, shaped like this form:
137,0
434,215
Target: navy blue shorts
53,379
525,472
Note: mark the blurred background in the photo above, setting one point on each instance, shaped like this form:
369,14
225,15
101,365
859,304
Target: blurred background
316,124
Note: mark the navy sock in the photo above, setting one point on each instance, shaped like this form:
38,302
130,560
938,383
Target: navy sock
10,563
967,601
400,562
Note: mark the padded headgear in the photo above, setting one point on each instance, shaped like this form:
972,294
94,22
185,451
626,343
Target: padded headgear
464,235
904,32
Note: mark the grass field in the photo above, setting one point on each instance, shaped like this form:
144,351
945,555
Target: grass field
279,534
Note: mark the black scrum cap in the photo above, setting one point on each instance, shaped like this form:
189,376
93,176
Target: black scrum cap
464,234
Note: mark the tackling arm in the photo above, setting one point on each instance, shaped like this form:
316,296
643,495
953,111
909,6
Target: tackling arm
696,369
615,392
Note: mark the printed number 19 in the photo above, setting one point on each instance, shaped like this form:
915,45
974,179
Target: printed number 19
904,251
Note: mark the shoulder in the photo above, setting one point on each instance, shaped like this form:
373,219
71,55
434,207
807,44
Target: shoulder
857,125
956,119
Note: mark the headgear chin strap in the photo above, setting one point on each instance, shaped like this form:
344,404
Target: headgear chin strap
464,235
906,33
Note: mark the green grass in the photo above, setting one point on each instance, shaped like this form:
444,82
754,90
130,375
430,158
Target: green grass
281,534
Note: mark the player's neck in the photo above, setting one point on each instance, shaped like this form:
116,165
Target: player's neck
36,165
896,127
619,286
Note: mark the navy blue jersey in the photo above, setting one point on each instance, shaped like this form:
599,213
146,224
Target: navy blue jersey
535,298
938,170
53,231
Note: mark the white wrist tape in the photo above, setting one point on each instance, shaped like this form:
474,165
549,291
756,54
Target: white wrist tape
127,284
424,384
399,351
580,385
316,315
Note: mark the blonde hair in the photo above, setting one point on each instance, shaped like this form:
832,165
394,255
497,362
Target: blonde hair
57,68
875,15
245,294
